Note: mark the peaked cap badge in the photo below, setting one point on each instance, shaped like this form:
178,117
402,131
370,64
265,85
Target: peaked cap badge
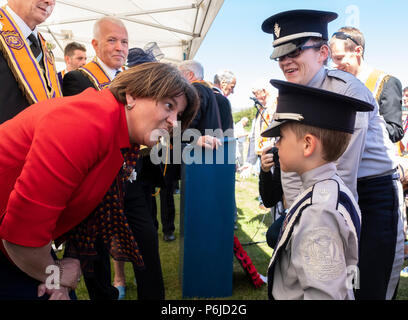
277,30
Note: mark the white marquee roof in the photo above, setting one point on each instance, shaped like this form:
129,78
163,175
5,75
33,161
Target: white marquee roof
178,26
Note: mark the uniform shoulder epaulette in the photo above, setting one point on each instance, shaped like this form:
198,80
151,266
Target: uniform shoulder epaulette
341,75
326,191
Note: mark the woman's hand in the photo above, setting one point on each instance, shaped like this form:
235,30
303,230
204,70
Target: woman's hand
36,261
267,159
208,142
71,272
55,294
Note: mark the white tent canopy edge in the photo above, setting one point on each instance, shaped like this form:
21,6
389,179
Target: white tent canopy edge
177,26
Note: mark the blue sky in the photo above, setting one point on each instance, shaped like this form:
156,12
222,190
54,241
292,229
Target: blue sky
236,42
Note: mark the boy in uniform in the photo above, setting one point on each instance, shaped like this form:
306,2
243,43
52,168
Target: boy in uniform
316,255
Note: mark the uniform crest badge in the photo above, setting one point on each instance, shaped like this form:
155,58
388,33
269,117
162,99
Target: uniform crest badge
277,30
13,39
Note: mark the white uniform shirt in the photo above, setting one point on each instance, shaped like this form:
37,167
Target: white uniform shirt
318,260
370,151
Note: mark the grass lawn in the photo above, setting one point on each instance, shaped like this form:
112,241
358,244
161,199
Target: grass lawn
252,225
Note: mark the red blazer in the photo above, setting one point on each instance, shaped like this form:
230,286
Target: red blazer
58,158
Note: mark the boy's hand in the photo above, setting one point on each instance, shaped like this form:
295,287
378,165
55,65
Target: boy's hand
267,159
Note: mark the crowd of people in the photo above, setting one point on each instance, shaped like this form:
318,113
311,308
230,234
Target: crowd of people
75,167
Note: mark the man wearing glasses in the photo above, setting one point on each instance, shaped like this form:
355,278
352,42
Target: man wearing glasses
368,166
348,47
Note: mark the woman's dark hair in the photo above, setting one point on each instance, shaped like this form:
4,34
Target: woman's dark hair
157,81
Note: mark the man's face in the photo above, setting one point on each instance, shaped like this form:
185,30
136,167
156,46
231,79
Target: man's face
33,12
228,87
112,45
261,95
405,98
78,59
303,68
189,75
342,58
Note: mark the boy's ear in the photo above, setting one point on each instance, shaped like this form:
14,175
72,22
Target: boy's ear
309,145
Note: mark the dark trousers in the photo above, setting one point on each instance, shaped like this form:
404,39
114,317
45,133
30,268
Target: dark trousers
17,285
378,201
149,280
167,207
98,283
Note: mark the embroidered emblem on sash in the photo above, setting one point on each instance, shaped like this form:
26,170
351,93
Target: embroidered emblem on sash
50,56
13,39
104,85
36,84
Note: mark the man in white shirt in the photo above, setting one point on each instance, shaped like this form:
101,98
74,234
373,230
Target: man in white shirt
110,42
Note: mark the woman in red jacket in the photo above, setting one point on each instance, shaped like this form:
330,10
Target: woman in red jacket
58,159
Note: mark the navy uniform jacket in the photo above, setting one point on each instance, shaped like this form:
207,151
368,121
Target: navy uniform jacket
270,187
317,252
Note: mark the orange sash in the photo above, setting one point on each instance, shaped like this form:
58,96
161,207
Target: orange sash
376,81
35,84
94,71
260,126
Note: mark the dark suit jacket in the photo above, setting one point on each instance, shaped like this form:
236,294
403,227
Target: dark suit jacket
224,107
390,103
208,116
75,82
12,100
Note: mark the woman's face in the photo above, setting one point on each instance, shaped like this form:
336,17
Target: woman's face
148,115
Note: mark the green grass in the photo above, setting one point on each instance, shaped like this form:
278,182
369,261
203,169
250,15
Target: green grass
252,225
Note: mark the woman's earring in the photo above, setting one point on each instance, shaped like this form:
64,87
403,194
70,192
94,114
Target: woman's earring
129,107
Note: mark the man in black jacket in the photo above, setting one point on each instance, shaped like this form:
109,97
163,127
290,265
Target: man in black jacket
208,116
14,96
224,83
